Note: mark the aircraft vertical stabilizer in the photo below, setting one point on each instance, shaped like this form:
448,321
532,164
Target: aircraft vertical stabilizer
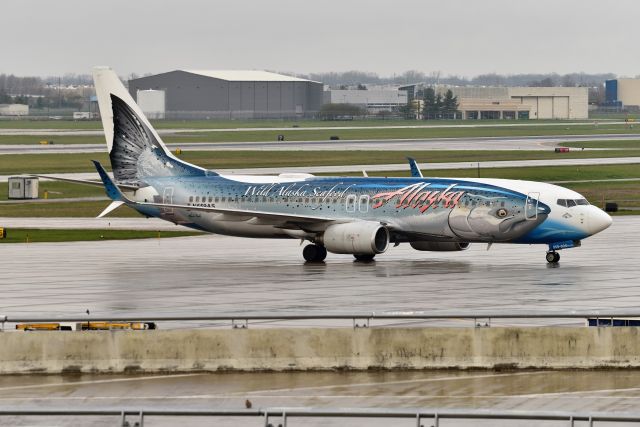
135,149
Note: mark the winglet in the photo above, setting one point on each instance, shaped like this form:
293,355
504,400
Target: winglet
415,170
110,187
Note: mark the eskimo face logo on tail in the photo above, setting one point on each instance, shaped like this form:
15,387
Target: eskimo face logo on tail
420,196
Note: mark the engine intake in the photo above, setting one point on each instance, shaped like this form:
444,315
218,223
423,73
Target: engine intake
440,246
363,238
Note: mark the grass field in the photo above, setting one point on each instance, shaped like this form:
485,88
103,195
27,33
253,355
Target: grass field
81,162
345,134
31,235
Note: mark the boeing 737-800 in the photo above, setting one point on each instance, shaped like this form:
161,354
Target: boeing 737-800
361,216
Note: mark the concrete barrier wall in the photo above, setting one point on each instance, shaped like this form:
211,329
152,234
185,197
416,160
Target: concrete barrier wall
318,349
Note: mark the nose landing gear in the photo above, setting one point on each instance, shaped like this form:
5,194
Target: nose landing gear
314,253
553,257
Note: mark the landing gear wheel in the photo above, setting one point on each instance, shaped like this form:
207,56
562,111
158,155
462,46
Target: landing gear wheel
553,257
314,253
363,257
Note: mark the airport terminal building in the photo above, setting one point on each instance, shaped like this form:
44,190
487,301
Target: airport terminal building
190,94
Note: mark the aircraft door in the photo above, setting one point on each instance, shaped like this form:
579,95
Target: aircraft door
531,206
363,204
350,203
167,198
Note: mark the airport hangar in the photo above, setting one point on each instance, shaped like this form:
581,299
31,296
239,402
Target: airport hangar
251,94
485,102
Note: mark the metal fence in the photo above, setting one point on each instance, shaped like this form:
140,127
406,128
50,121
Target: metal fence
358,319
282,416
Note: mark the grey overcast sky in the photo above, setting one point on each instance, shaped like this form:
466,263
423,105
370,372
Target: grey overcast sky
456,37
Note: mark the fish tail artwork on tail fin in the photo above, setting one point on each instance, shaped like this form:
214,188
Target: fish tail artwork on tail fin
135,149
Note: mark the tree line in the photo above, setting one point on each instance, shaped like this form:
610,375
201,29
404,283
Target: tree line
429,105
352,78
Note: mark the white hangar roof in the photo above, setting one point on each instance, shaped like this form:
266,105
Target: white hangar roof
246,76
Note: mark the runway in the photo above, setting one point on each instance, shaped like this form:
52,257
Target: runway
535,143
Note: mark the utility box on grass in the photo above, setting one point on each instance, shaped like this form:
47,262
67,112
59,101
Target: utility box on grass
23,187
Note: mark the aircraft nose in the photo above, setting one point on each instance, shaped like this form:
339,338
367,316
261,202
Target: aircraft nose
598,220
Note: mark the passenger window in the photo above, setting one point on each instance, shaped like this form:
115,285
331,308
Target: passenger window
224,199
217,199
562,202
571,203
197,198
210,199
190,199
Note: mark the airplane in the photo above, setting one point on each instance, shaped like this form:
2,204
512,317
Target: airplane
361,216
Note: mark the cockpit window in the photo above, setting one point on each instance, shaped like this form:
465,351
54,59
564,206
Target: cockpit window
568,203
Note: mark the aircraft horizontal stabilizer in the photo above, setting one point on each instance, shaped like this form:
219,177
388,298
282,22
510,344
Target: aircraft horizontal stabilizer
113,206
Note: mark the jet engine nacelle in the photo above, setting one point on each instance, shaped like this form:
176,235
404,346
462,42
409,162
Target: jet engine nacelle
440,246
362,238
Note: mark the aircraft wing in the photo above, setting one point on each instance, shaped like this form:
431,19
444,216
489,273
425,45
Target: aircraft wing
87,182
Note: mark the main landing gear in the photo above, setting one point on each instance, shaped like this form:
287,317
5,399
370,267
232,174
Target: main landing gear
553,257
314,253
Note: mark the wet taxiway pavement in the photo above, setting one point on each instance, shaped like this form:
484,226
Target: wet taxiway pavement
575,391
212,274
